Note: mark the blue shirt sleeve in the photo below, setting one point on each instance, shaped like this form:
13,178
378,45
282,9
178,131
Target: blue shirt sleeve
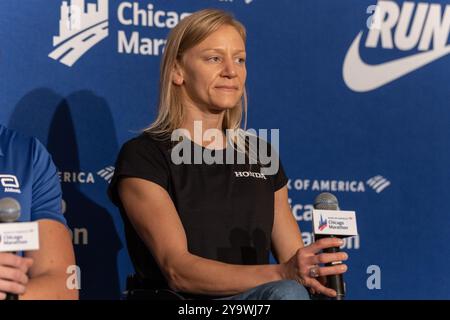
46,200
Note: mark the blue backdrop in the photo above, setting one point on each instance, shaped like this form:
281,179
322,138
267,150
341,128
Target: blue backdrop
370,125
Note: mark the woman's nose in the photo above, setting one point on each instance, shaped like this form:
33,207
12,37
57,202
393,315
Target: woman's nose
229,68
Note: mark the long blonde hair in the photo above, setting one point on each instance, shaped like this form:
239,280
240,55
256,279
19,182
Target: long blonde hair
188,33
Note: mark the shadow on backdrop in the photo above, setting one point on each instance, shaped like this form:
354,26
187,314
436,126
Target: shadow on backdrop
79,133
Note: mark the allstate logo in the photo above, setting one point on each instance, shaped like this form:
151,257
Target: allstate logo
80,28
323,223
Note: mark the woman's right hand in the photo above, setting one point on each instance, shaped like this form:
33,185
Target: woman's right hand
304,266
13,274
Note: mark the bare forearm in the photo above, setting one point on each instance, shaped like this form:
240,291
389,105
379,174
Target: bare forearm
204,276
49,287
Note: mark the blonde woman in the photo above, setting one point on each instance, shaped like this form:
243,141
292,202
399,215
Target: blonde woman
200,229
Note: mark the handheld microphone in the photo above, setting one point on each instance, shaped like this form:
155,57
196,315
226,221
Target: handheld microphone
9,212
327,201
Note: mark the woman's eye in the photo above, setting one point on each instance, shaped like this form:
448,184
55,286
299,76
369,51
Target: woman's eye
240,60
214,59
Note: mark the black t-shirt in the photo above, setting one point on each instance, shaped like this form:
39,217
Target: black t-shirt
227,210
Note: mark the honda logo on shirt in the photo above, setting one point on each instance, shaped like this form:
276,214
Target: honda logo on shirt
246,174
10,183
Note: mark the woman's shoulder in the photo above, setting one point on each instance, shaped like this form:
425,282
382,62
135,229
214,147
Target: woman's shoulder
146,140
256,142
143,151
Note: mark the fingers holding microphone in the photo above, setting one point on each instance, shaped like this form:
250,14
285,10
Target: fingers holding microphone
13,274
335,259
328,263
309,271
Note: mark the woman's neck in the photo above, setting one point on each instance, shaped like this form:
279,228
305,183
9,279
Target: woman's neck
205,127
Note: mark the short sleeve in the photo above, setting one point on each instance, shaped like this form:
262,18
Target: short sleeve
279,179
274,169
46,202
139,158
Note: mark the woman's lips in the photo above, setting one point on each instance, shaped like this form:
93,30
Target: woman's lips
227,88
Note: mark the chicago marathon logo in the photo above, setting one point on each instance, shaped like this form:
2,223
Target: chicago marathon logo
81,27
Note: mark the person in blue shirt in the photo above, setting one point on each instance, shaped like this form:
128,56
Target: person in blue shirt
28,174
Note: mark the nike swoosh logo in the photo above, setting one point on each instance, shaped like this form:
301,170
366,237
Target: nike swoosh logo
362,77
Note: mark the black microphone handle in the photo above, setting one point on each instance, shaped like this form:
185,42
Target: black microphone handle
335,281
9,212
11,297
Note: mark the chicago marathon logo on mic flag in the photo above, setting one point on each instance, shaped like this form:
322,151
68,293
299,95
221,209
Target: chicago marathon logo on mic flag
81,27
323,223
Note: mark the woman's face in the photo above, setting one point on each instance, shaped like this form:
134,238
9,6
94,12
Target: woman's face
212,74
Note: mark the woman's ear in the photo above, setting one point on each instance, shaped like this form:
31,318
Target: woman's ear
177,75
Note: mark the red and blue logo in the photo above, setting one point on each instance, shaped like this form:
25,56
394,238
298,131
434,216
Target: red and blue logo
323,223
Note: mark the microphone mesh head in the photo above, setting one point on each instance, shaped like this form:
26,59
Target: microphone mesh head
326,201
9,210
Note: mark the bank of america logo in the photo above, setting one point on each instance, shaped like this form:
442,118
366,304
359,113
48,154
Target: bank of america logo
378,183
81,27
107,173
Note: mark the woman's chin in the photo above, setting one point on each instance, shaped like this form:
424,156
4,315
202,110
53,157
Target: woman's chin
224,104
222,107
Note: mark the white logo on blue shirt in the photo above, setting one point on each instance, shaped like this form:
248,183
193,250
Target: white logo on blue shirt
10,183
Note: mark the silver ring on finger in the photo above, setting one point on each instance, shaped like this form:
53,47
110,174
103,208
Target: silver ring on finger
314,271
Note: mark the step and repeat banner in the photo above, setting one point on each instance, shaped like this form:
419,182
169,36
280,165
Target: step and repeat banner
359,89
